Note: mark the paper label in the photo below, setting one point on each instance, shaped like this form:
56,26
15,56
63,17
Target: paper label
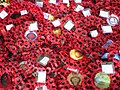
53,1
66,1
78,1
41,77
69,25
56,23
23,12
8,27
39,4
46,15
107,68
3,14
94,33
86,12
104,13
79,8
107,29
33,26
44,61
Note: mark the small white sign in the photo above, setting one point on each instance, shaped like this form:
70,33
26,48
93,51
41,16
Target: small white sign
108,68
56,23
53,1
33,26
104,13
69,25
44,61
23,12
78,1
94,33
8,27
39,4
3,14
86,12
107,29
66,1
79,8
41,77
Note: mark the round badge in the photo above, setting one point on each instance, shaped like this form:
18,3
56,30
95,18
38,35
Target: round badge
74,79
76,54
30,35
102,80
113,20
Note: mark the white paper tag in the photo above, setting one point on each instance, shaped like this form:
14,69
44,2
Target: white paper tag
104,13
108,68
86,12
56,23
46,15
94,33
66,1
23,12
3,14
69,25
41,77
41,88
39,4
78,1
44,61
8,27
79,8
53,1
107,29
33,26
73,70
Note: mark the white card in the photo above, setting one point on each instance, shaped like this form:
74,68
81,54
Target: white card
104,13
39,4
78,1
107,68
107,29
94,33
44,61
46,15
66,1
33,26
41,77
23,12
56,23
69,25
79,8
8,27
53,1
3,14
86,12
